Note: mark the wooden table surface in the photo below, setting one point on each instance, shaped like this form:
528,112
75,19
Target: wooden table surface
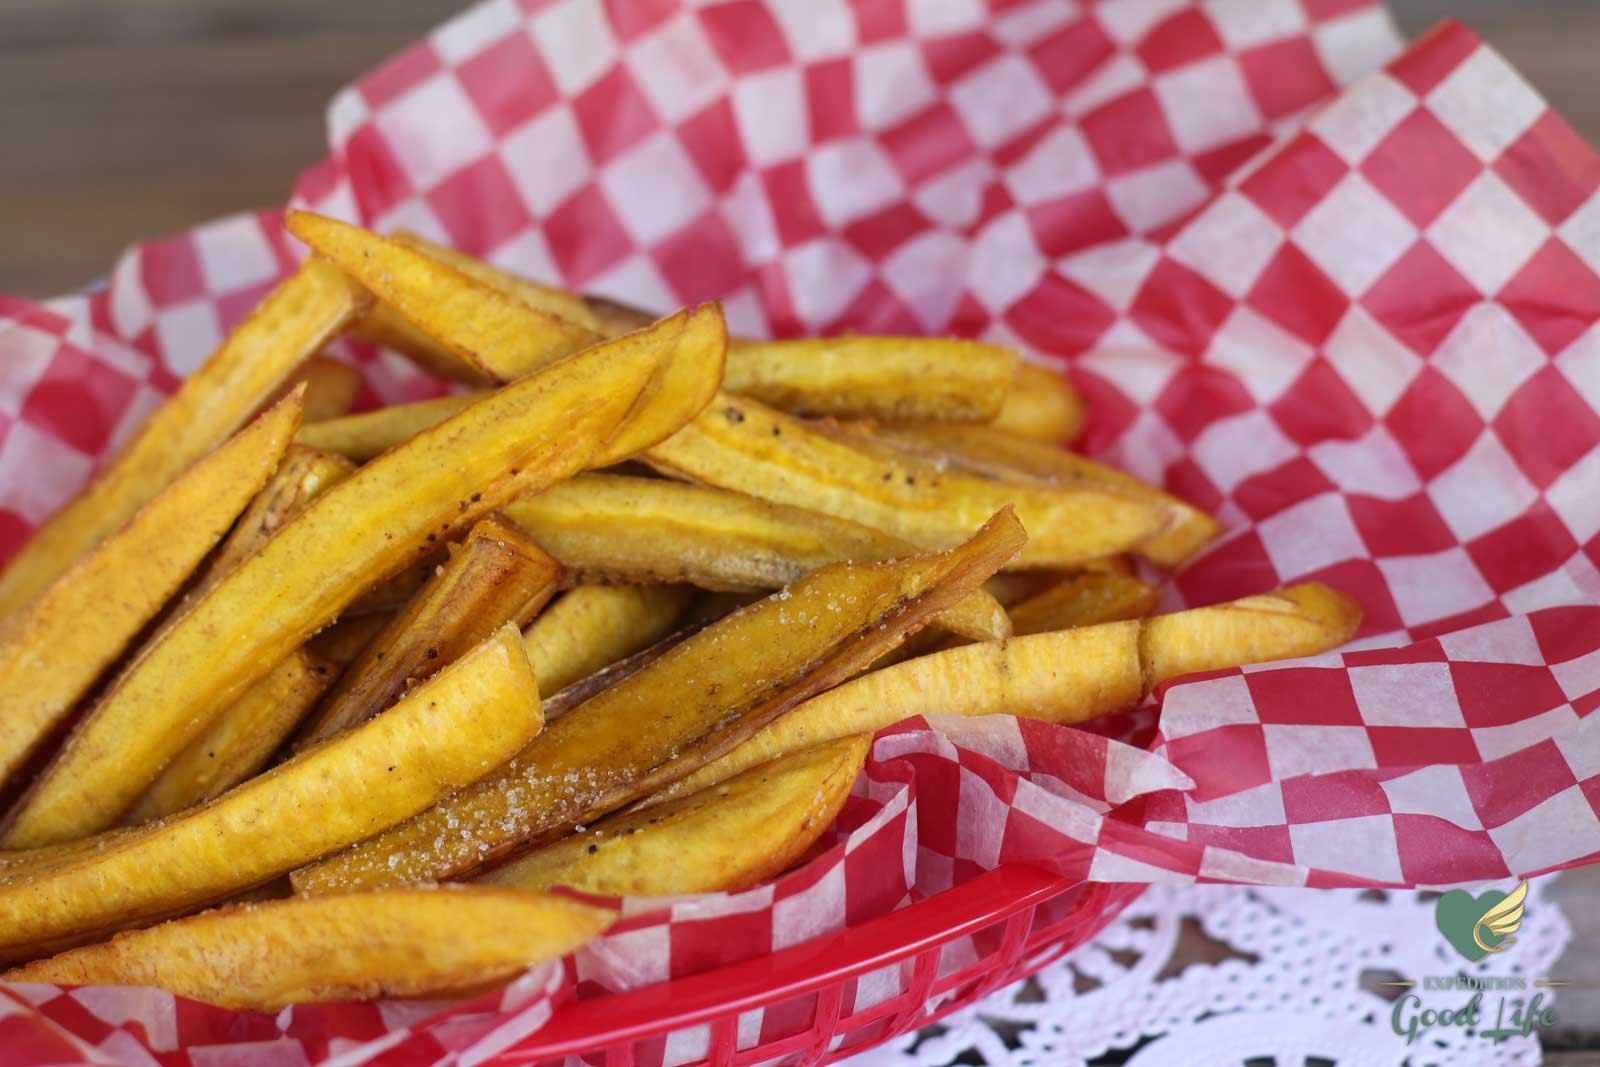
128,120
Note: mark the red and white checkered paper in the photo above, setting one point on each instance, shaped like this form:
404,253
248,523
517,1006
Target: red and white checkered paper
1351,310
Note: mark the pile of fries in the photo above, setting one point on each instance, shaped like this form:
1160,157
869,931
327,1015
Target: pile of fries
620,616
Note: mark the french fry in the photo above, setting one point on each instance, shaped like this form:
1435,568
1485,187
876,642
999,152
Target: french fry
729,836
607,527
54,649
984,450
557,302
383,325
292,323
467,719
342,642
688,707
498,574
589,686
546,427
1042,405
497,335
743,445
331,387
1064,676
878,377
1084,600
241,740
593,626
614,318
438,941
371,433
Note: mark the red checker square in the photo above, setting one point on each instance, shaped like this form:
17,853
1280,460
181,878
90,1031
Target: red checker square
1421,167
1319,406
1420,298
830,99
1497,694
699,945
1060,316
1429,651
1307,696
1410,526
1431,59
1583,706
1526,548
1069,223
1323,10
877,235
1547,426
1066,57
1551,168
28,1039
14,530
1295,179
868,892
1433,423
508,83
787,185
1465,620
879,22
1362,581
927,143
585,238
1179,308
1030,840
711,137
1199,395
1566,633
969,319
479,205
634,18
200,1024
1434,851
75,1018
1223,760
702,261
399,74
1185,479
1215,164
950,57
377,179
1180,39
996,201
1504,788
170,270
1294,293
876,309
1556,296
1129,132
938,783
613,115
78,399
1109,410
1321,797
746,36
1238,567
1271,843
1410,746
1285,76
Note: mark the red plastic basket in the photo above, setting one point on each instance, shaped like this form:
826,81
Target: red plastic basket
1010,922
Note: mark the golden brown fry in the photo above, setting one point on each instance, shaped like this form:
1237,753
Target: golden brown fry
875,377
557,302
53,650
342,642
1041,405
437,941
608,527
614,318
294,321
361,437
686,708
544,428
465,720
728,836
331,387
383,325
498,335
984,450
594,626
745,446
586,688
241,740
498,574
1084,600
1064,676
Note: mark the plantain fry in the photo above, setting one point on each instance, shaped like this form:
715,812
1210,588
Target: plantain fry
607,527
342,642
557,302
435,942
467,719
499,336
878,377
985,450
614,318
544,428
362,437
496,575
383,325
1041,405
593,626
1084,600
293,322
587,687
685,709
241,740
55,648
331,387
1063,676
729,836
745,446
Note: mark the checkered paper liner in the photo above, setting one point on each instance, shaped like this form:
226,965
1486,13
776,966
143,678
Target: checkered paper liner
1350,310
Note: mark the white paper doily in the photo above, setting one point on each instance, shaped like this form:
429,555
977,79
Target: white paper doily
1292,993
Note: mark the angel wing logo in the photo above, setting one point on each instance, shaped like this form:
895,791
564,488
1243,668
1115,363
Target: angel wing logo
1479,925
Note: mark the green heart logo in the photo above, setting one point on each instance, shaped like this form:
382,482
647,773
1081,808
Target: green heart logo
1477,926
